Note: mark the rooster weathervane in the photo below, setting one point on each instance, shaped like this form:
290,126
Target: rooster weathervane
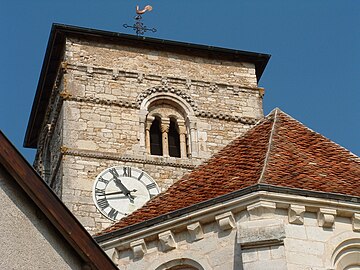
139,26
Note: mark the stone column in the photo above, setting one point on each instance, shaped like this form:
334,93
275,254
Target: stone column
193,144
182,133
165,125
149,121
142,136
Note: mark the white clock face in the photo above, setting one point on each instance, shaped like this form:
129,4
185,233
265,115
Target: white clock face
120,190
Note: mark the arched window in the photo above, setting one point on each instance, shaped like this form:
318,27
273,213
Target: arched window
174,139
181,264
156,138
175,118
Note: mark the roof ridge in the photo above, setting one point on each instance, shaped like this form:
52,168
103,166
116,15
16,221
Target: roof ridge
275,112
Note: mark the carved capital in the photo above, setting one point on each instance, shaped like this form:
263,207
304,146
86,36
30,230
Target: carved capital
326,217
182,130
296,214
165,127
167,241
356,222
226,221
139,248
195,231
149,121
261,210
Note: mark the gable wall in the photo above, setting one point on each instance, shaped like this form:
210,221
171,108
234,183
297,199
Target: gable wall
28,240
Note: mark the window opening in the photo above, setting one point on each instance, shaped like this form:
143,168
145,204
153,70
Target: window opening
174,140
155,138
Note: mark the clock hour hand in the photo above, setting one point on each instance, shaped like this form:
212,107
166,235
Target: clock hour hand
126,192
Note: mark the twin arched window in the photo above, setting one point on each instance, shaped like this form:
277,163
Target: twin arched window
166,131
166,138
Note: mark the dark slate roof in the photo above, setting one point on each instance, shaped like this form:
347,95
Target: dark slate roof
279,152
55,50
52,207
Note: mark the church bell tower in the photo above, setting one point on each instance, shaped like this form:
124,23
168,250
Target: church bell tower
119,118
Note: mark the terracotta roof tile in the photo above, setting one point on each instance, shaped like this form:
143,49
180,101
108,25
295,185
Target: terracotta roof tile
277,151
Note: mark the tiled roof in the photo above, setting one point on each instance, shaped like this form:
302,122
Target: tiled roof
278,151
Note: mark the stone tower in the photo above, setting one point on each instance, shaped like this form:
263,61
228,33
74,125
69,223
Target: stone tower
106,99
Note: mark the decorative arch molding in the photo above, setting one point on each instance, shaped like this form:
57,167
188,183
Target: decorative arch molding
168,103
347,255
181,97
343,251
184,262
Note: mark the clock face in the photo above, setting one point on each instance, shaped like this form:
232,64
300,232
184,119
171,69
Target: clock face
120,190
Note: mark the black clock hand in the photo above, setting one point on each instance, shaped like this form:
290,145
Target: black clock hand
114,193
126,192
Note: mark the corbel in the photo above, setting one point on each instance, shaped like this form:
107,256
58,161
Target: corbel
115,74
356,222
167,241
261,210
261,91
326,217
195,231
296,214
64,66
226,221
140,77
139,248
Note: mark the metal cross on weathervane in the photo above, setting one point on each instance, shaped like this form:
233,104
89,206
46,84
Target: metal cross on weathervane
138,26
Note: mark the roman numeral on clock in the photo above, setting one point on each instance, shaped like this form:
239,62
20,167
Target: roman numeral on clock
99,192
127,171
103,203
113,213
101,179
150,186
114,172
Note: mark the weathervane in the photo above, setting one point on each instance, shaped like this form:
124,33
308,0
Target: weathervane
138,26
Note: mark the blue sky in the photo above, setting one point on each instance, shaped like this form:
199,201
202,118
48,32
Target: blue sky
313,74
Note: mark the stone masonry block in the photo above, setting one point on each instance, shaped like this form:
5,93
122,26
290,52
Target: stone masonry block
261,233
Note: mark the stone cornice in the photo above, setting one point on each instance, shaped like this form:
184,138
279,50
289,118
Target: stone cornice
187,82
161,161
212,212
